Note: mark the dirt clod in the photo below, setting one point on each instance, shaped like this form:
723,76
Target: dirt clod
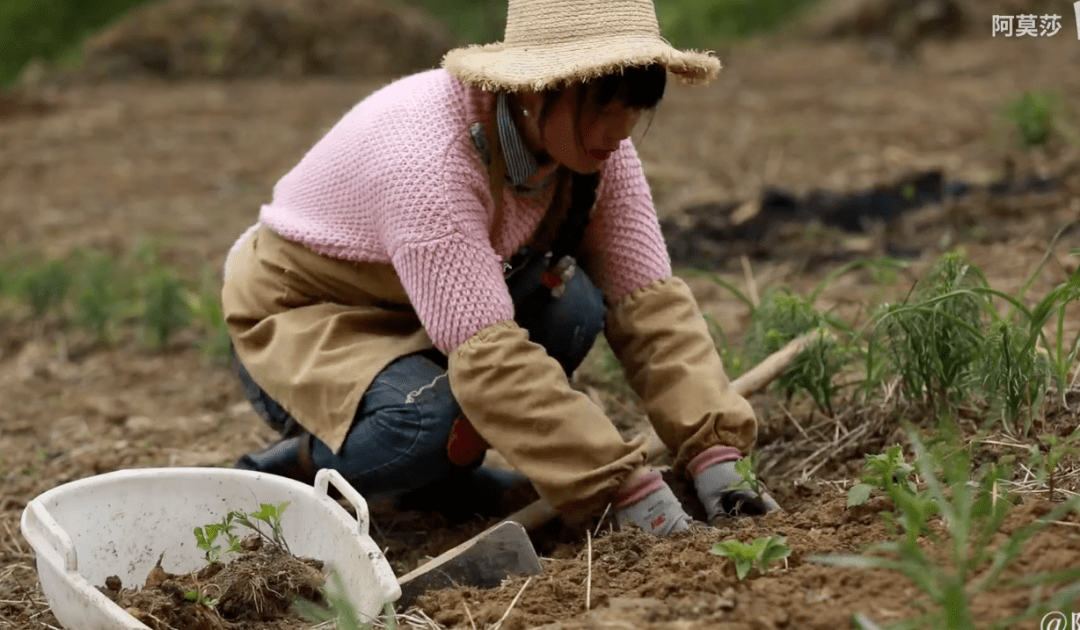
256,586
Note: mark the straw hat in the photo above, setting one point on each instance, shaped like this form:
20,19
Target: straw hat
551,42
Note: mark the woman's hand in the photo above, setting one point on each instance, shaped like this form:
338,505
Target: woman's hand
723,490
646,500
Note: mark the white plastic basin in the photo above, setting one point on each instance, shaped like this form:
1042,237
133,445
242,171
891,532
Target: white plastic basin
119,523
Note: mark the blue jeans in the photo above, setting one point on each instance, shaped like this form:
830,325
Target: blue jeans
398,439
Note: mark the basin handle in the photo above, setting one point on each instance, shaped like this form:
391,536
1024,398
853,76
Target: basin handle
325,477
55,537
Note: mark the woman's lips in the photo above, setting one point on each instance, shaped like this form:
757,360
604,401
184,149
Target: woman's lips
601,155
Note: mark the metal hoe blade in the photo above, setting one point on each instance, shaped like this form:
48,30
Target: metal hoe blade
483,561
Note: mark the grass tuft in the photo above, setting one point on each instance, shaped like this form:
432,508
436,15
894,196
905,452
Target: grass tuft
1035,116
933,339
44,287
166,309
97,304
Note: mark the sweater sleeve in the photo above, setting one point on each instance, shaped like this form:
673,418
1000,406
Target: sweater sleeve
623,246
456,286
442,251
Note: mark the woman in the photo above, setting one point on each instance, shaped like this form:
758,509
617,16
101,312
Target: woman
426,279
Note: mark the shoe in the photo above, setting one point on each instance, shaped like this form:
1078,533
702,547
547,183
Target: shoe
290,457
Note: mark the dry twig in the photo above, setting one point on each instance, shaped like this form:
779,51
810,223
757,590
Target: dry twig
499,623
588,577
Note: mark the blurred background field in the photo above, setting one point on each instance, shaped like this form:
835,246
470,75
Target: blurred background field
53,29
850,152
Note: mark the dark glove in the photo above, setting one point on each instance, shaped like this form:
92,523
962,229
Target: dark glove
722,490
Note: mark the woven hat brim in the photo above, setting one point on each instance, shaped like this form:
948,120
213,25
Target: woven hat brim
495,67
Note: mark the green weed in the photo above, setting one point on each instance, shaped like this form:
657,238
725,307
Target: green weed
882,472
746,468
758,554
45,286
1047,453
781,317
1015,370
1015,375
96,302
1034,114
602,364
933,339
207,535
195,595
165,306
972,506
268,514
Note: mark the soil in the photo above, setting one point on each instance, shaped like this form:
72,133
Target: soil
639,582
185,163
254,590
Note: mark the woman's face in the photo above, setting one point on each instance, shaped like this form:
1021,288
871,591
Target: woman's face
581,141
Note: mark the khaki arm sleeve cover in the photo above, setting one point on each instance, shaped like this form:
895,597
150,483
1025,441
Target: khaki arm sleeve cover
519,400
661,338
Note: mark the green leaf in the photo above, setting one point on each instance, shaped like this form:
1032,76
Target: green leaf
742,567
775,550
859,494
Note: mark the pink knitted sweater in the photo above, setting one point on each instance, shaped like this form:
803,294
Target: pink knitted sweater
397,180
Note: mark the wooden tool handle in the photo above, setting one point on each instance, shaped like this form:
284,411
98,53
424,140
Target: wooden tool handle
540,512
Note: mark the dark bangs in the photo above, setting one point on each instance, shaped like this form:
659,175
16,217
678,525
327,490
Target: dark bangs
638,87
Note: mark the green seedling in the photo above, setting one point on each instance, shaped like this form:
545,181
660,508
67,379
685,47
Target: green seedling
270,515
1046,454
1034,115
932,340
1015,375
96,302
196,596
972,509
887,472
746,468
1060,353
758,554
780,318
166,308
46,286
206,536
816,368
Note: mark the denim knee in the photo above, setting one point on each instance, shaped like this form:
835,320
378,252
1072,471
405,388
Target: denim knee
567,325
403,423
